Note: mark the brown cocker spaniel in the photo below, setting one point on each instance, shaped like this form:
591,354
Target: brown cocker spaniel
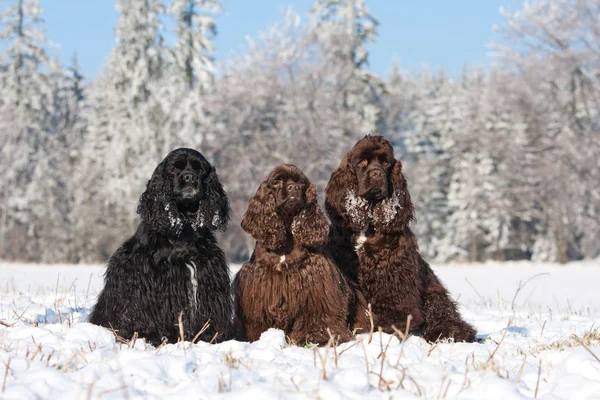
289,282
370,209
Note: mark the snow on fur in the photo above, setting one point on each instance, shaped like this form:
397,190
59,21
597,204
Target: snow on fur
173,220
358,208
389,207
47,351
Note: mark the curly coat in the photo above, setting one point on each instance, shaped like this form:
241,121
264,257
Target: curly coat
173,264
372,243
290,283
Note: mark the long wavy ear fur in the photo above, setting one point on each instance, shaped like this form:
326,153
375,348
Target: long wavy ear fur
310,227
394,213
156,207
213,210
261,219
342,203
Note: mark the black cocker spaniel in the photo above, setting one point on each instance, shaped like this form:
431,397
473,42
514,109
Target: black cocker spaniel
173,264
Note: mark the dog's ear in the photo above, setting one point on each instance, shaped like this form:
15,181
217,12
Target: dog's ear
310,226
213,210
157,208
261,219
343,205
396,212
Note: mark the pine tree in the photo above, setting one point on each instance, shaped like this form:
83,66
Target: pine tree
25,94
342,29
193,78
193,51
124,136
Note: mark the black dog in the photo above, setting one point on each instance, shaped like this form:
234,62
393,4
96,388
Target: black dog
173,264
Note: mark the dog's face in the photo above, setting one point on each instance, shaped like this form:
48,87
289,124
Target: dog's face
188,172
372,161
288,186
368,189
184,190
284,204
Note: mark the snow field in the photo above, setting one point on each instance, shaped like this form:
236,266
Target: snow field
532,319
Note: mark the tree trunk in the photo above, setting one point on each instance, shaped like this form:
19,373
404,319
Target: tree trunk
473,249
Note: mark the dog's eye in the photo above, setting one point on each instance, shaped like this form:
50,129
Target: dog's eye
363,163
301,183
277,183
386,164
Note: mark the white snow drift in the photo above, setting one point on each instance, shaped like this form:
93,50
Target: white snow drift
532,319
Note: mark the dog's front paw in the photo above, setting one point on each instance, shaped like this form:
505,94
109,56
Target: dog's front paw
459,331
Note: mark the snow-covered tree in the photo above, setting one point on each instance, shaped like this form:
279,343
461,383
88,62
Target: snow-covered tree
195,30
25,93
343,29
124,136
554,48
192,79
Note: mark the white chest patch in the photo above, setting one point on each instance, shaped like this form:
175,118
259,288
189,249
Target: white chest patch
362,238
194,282
282,259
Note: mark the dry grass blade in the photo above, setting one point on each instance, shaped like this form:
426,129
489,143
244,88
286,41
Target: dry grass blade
69,361
6,324
118,338
521,286
447,387
588,349
20,316
543,326
323,364
537,385
5,375
466,380
37,351
402,335
108,391
372,322
133,340
200,332
48,359
434,345
416,385
500,342
475,290
439,396
349,347
180,326
164,342
521,370
333,342
382,354
365,353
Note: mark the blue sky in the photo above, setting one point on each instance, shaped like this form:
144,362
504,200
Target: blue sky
427,32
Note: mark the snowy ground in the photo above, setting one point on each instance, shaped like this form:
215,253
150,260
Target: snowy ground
532,346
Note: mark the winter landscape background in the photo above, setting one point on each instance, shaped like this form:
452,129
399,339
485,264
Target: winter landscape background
502,161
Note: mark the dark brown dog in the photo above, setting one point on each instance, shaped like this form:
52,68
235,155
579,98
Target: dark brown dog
370,209
289,282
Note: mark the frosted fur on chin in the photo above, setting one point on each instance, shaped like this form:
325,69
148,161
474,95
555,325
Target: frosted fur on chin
358,209
386,210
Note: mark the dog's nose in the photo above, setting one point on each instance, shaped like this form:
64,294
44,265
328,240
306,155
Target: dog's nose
376,174
189,177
